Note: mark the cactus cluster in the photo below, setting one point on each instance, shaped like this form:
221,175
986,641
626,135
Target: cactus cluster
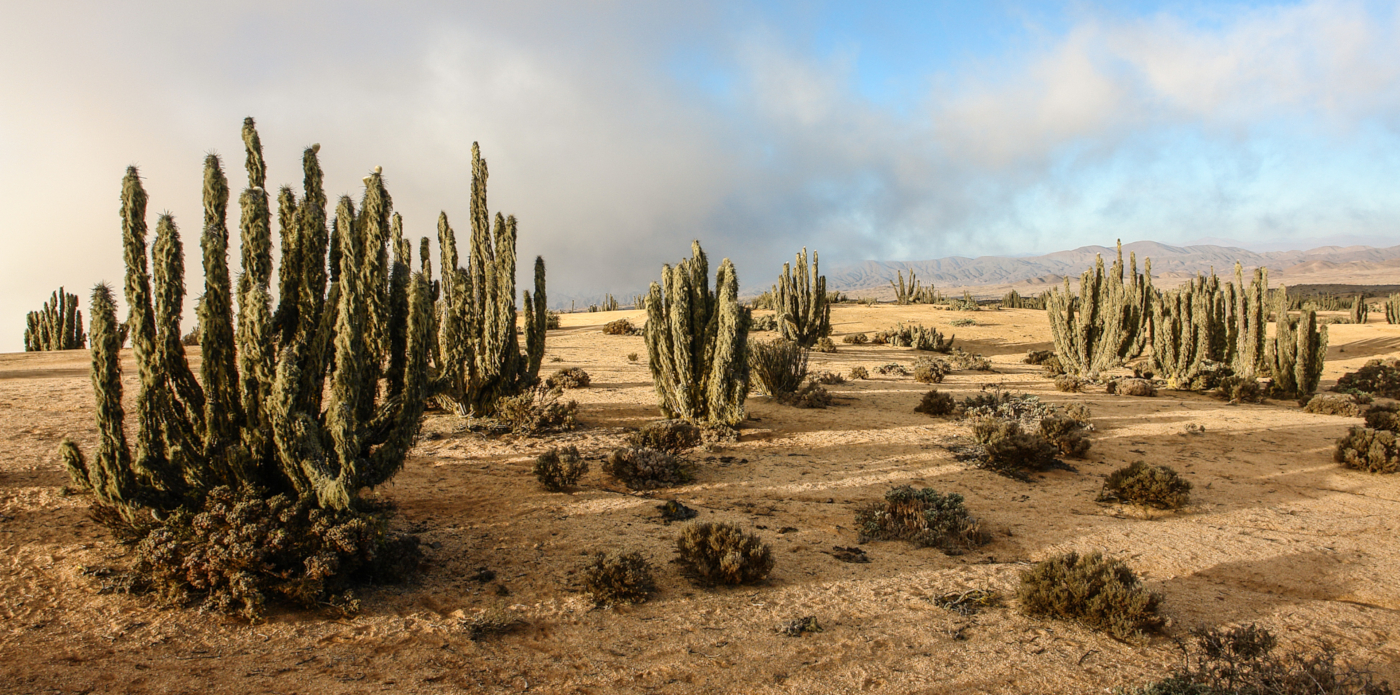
1392,309
697,342
1359,309
1109,321
914,292
1295,353
609,303
478,359
1014,300
1191,330
804,316
57,326
260,415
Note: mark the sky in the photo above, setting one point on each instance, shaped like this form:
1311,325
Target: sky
616,132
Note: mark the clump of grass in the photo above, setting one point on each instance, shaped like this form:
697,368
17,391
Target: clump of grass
1146,485
1067,434
1070,383
959,323
1100,592
777,367
672,436
1370,450
568,378
930,370
924,518
722,553
1343,404
646,469
1010,450
859,372
619,578
936,404
560,468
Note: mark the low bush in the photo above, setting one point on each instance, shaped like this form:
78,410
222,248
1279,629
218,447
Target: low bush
560,468
1343,404
1240,389
1009,449
893,368
1024,408
718,433
924,518
673,436
633,357
675,510
827,378
915,336
1370,450
765,322
721,553
1384,416
824,345
619,578
620,327
936,404
777,367
930,370
1080,412
537,411
1376,377
809,395
959,323
1038,357
859,372
646,469
1132,387
1070,383
1052,366
1100,592
569,378
1147,485
966,360
551,320
855,339
1067,434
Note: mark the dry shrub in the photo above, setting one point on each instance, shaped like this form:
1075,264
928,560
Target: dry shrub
924,518
827,378
646,469
537,411
237,552
620,327
633,357
1377,377
1147,485
824,345
894,368
936,404
930,370
1066,433
1039,356
1100,592
1080,412
1052,366
879,339
673,436
766,322
619,578
1024,408
962,322
718,433
859,372
797,626
1343,404
570,378
1243,660
966,360
1011,451
809,395
675,510
777,367
1132,387
721,553
1070,383
855,339
1365,449
560,468
1240,389
1384,416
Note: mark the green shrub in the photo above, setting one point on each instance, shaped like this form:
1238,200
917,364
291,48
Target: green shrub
721,553
1377,377
646,469
1070,383
1099,592
537,411
859,372
1009,450
672,436
930,370
777,367
619,578
1345,405
1146,485
620,327
1373,451
1240,389
559,468
1384,416
1066,433
855,339
936,404
924,518
959,323
569,378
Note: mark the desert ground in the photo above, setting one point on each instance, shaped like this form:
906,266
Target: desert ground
1277,534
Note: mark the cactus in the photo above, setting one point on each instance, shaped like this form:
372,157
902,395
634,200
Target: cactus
911,293
1251,319
256,420
609,304
697,342
1190,327
1359,309
1296,351
479,358
57,326
1014,300
803,313
1088,329
1392,309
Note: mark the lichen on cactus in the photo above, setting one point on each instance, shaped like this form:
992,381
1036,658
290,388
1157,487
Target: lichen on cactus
697,342
56,326
804,316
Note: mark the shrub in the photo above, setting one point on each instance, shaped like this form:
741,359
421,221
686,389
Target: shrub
936,404
633,357
720,553
537,411
570,378
239,551
1039,357
1240,389
827,378
924,518
959,323
855,339
1023,408
1100,592
1066,433
1070,383
859,372
894,368
1053,366
1080,412
551,320
674,510
718,433
824,345
1373,451
619,578
930,370
620,327
777,367
1146,485
879,339
766,322
1345,405
966,360
1384,416
1377,377
915,336
672,436
1132,387
646,469
809,395
560,468
1009,450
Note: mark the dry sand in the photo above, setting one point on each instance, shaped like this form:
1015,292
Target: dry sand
1277,534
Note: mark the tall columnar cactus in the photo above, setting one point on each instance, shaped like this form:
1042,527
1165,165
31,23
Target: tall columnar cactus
1137,296
1088,329
479,359
697,342
1392,309
1359,310
1296,352
804,316
1190,327
905,294
57,326
1251,320
257,418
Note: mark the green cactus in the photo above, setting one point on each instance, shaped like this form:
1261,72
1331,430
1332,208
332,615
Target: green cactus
1297,350
1251,320
1359,309
57,326
256,419
479,359
804,316
1392,309
1189,330
1110,321
697,342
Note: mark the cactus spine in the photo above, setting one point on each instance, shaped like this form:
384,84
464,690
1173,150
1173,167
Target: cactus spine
697,342
257,417
57,326
804,316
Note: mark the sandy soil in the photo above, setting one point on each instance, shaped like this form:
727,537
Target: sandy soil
1277,534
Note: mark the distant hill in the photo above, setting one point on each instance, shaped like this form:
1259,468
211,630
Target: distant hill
1170,265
